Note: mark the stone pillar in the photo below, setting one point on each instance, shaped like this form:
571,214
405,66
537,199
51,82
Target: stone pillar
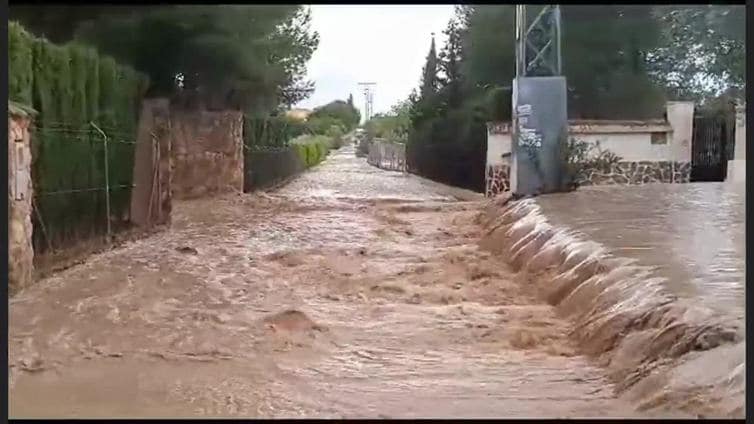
207,149
497,178
737,166
151,195
680,116
20,195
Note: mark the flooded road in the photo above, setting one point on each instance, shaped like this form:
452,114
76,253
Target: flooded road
689,239
652,278
350,292
692,234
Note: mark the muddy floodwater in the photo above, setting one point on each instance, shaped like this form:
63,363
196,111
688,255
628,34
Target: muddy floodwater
693,235
349,292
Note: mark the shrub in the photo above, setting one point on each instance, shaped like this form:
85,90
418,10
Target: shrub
272,131
312,149
20,47
71,86
580,157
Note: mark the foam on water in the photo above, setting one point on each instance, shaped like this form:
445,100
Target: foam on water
625,314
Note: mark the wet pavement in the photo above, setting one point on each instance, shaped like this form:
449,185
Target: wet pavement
350,292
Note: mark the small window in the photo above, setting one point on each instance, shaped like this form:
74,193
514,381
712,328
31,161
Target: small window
659,138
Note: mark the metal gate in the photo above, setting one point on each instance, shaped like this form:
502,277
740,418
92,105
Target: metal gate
711,141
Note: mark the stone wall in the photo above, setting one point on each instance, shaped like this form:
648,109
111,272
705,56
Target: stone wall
207,152
20,194
644,172
386,155
651,151
151,197
497,180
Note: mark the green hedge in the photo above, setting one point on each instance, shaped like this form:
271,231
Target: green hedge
70,86
312,149
20,64
263,168
271,131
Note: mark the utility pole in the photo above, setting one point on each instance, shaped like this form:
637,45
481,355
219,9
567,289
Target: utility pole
539,104
367,88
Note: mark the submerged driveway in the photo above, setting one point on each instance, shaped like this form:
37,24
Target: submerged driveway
350,292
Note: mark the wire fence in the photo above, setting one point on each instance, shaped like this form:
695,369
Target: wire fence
83,179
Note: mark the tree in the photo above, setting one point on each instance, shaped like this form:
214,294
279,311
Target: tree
393,126
263,51
702,50
429,82
450,65
60,23
342,112
294,44
605,50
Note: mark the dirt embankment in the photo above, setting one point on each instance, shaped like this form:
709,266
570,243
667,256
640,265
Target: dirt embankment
662,352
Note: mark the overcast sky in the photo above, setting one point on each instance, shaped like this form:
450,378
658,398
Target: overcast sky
382,44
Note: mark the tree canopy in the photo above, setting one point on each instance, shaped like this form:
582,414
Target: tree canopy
238,56
392,126
337,112
620,62
702,50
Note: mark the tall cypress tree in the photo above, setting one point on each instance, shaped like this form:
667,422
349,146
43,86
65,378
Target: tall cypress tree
429,74
450,63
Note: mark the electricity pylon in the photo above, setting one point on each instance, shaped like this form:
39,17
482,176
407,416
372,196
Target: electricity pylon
538,42
539,104
367,88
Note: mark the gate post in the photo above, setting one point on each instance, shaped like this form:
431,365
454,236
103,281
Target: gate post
680,116
20,195
737,166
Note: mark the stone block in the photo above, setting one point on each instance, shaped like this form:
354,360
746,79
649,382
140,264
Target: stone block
20,194
209,156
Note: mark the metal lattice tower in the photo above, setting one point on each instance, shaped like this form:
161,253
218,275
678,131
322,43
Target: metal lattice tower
367,88
540,115
538,42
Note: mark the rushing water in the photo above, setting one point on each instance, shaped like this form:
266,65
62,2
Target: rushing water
652,278
350,292
692,234
354,292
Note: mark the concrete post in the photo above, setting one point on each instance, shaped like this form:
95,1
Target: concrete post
540,126
680,115
737,166
497,178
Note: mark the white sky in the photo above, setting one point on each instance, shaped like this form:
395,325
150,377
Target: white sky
386,44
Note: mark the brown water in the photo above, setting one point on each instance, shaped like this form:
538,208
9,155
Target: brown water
356,292
662,315
351,292
693,235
